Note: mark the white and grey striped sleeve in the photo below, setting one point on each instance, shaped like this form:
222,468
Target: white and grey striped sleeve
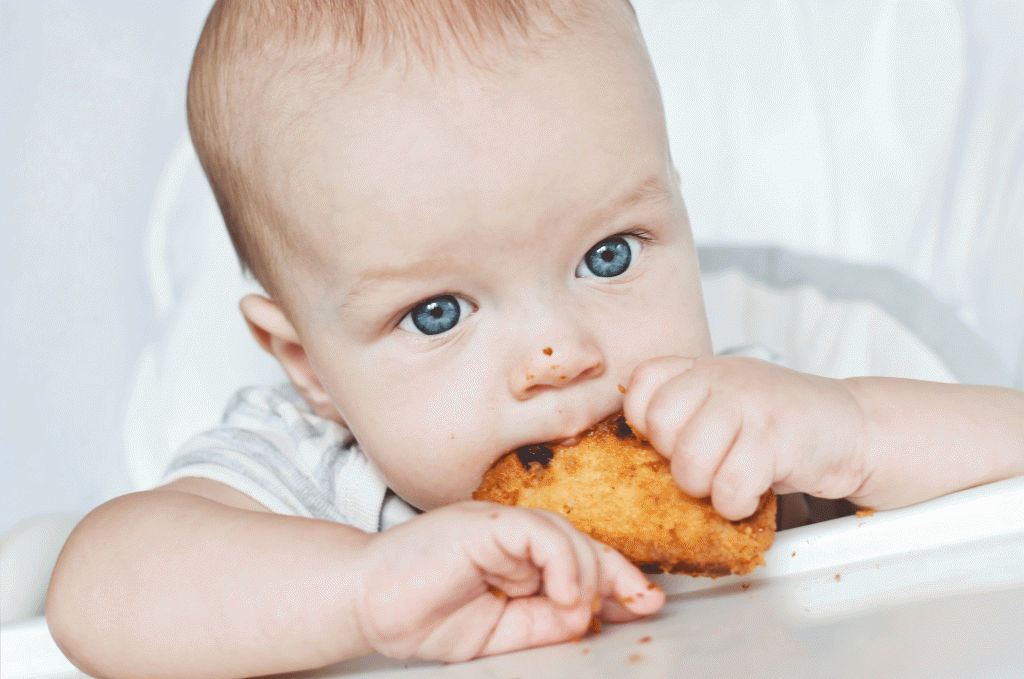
271,447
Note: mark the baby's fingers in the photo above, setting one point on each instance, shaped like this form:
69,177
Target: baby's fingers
745,474
625,592
586,560
535,621
662,396
702,445
536,548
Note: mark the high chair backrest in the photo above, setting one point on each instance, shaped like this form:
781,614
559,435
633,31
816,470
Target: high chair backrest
874,132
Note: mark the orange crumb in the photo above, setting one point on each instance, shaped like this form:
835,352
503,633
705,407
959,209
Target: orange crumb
494,515
622,389
745,585
625,599
644,640
636,657
548,351
595,605
653,586
793,554
838,577
496,592
865,512
595,626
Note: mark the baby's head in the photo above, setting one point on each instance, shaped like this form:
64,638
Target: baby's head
464,213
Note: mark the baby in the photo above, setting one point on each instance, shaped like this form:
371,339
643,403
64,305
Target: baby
470,231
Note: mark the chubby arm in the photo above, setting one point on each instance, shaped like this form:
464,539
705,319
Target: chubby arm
734,427
194,580
925,439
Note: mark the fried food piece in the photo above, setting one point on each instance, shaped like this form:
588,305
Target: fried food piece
615,487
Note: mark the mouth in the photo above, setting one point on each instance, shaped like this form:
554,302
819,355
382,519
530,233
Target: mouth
564,441
539,453
541,450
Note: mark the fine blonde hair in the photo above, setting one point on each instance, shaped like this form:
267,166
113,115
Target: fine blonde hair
260,64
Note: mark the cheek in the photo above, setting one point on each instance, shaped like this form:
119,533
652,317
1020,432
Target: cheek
666,318
429,484
429,428
431,466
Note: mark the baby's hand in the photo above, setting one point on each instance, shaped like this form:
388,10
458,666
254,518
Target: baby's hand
733,427
477,578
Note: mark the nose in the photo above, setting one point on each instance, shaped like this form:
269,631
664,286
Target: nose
554,356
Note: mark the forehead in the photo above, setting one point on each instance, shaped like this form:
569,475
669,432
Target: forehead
416,158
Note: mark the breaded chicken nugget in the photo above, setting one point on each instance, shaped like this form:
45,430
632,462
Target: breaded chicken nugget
615,487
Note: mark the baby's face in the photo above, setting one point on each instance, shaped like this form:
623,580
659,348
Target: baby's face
495,254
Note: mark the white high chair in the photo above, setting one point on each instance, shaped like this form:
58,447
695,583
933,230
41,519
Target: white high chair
851,170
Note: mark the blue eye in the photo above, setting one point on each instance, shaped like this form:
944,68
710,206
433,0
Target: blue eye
435,315
610,257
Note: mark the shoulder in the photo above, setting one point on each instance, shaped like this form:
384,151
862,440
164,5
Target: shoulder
279,406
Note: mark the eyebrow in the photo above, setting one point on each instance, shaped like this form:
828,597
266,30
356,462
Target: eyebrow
368,282
651,191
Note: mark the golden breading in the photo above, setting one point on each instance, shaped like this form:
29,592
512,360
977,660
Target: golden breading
615,487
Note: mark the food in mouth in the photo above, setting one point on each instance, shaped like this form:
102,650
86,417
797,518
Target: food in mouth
612,485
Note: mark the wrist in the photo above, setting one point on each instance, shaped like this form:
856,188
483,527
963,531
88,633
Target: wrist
861,448
925,439
345,580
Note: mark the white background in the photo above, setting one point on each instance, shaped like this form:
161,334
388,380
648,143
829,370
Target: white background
93,102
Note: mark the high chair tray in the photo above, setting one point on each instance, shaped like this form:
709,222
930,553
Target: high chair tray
933,591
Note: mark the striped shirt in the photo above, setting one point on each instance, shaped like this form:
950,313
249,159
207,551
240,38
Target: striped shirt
273,448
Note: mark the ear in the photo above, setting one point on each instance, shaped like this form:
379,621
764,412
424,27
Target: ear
276,334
